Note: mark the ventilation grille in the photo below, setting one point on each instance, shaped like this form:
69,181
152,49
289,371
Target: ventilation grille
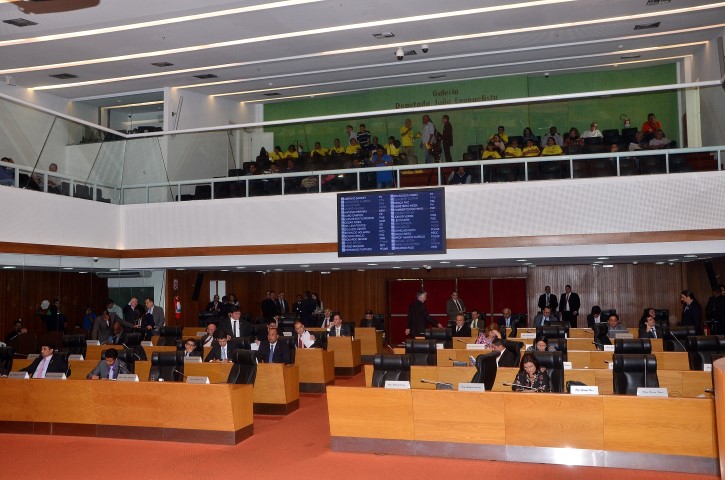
20,22
63,76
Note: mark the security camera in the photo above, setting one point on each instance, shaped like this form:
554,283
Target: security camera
546,75
424,47
95,259
399,53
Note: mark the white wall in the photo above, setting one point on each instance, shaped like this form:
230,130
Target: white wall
712,100
53,102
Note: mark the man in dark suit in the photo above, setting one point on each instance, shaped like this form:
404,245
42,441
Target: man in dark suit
544,317
595,317
547,299
157,313
190,348
102,328
338,329
234,325
648,330
506,321
283,304
303,338
109,368
117,336
691,311
215,306
270,308
569,306
222,351
418,317
461,329
273,351
131,315
326,319
208,339
46,363
505,358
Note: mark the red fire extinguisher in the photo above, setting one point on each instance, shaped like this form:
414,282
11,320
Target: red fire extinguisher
177,305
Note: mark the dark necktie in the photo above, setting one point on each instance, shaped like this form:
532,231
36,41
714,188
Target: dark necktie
271,352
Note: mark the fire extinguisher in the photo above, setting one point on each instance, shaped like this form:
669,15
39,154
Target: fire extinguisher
177,306
626,120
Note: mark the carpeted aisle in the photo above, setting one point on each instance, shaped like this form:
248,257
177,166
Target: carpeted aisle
292,447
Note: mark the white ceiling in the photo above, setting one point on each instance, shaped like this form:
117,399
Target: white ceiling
309,61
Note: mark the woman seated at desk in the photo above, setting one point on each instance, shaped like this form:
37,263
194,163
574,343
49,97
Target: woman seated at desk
542,345
531,377
485,337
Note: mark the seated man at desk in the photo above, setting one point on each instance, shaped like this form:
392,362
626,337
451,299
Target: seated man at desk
222,351
272,351
208,339
338,329
648,330
117,336
531,377
303,338
544,317
506,358
507,320
476,320
109,367
190,348
461,329
614,326
46,363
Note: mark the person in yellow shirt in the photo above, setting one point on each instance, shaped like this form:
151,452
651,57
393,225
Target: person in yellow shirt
291,152
531,150
513,150
391,148
406,140
337,149
551,148
501,134
276,154
353,148
491,152
319,152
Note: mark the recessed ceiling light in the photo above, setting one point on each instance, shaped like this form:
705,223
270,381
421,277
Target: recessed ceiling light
114,270
241,268
67,268
162,64
335,268
205,76
304,266
180,269
602,258
690,256
397,268
225,269
308,271
63,76
598,262
373,264
415,268
609,265
472,267
444,262
645,26
527,264
324,273
673,260
382,35
82,272
278,270
635,262
659,263
8,267
522,260
460,265
360,269
20,22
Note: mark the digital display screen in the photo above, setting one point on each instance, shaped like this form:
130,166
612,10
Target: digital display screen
398,222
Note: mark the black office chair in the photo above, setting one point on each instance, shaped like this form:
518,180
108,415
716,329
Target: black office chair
674,339
169,335
24,344
421,352
486,369
133,341
554,364
64,356
74,344
600,336
551,332
181,346
6,358
244,368
390,367
286,324
352,327
127,356
633,346
632,371
168,366
560,345
440,335
515,348
701,349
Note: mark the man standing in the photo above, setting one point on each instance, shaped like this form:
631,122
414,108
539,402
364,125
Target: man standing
447,138
102,328
548,300
428,140
215,306
569,306
418,317
406,140
691,311
338,329
234,325
46,363
156,312
131,313
505,358
269,306
363,138
272,351
114,309
282,303
454,306
109,367
461,329
715,310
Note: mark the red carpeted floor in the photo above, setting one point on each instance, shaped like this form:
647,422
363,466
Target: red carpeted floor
296,446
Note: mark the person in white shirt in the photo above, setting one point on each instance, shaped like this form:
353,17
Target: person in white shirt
593,132
222,352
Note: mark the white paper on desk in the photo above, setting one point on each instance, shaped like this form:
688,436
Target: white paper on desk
608,348
254,346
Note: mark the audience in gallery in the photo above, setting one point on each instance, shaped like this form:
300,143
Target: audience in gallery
651,125
491,152
593,132
551,148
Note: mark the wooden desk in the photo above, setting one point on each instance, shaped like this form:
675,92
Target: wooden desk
317,369
192,332
607,431
149,411
276,389
596,359
347,355
371,341
93,352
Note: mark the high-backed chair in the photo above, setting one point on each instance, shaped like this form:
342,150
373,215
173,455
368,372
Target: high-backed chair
64,356
127,356
700,350
560,345
169,335
422,352
600,336
6,358
244,368
321,339
632,371
133,341
244,343
674,339
486,369
291,346
440,335
634,346
390,367
550,332
554,364
352,327
168,366
25,343
74,344
286,324
515,348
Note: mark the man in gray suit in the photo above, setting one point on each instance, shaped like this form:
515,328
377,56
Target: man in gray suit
102,328
454,306
109,367
156,312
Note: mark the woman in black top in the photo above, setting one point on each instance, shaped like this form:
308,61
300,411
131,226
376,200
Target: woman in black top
531,374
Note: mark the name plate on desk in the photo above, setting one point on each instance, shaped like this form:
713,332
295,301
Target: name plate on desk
707,367
92,342
286,334
55,376
192,359
200,334
476,346
197,379
471,387
33,356
75,357
127,377
397,385
528,336
651,392
623,335
567,365
584,390
147,343
439,346
19,375
608,348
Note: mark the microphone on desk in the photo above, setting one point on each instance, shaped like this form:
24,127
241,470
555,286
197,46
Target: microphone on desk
124,368
472,360
423,380
607,361
677,340
176,371
459,340
509,384
588,331
129,348
710,390
21,354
